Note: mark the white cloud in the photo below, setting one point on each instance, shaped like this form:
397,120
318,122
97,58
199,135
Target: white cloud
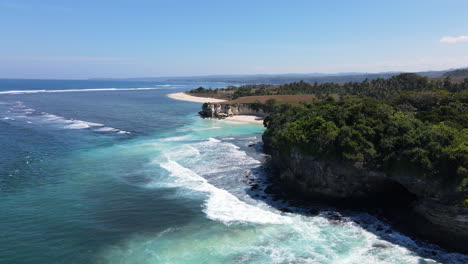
453,40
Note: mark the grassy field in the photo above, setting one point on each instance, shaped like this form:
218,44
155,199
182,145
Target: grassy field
281,99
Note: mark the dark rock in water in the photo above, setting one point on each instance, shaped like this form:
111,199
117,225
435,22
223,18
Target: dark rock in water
379,228
272,190
314,211
264,197
285,210
251,145
379,246
254,187
257,195
335,217
297,203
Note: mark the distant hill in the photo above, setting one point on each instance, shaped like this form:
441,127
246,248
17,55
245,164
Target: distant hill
286,78
310,78
457,73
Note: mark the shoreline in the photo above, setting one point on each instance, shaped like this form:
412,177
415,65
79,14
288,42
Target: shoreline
251,119
245,119
189,98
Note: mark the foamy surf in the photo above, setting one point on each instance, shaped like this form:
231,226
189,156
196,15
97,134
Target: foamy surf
221,205
78,90
20,112
211,166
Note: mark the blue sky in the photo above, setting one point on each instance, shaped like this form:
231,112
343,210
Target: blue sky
91,38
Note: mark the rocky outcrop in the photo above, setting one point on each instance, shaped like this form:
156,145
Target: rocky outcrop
429,213
217,110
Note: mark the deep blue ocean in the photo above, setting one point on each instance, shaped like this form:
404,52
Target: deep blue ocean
117,172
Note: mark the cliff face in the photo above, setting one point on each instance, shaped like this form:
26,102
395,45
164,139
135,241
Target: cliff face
430,216
213,110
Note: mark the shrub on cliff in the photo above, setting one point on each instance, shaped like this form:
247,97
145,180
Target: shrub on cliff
424,133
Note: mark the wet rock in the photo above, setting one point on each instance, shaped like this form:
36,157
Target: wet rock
272,190
335,217
378,245
314,211
285,210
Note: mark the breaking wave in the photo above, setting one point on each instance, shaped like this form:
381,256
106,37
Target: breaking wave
19,112
77,90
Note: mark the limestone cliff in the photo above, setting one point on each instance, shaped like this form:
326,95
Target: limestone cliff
217,110
431,215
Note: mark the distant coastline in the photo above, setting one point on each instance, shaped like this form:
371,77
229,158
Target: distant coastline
237,118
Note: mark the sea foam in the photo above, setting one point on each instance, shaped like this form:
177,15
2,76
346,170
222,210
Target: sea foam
19,111
77,90
221,205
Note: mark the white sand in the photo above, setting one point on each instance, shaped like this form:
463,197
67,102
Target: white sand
246,119
186,97
237,118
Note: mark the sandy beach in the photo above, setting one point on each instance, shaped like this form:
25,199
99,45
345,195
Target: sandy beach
237,118
246,119
196,99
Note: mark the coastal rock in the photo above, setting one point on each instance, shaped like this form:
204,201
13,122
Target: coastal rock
223,110
431,215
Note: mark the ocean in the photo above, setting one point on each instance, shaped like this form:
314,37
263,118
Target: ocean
117,172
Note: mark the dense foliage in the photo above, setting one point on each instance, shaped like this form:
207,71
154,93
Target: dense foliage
378,88
423,133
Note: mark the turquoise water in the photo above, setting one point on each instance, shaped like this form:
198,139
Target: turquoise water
106,175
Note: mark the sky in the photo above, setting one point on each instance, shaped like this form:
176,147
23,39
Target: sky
69,39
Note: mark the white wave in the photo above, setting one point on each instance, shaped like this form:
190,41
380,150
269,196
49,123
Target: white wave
183,152
107,129
180,138
22,112
232,158
214,140
8,118
221,205
111,129
75,90
79,124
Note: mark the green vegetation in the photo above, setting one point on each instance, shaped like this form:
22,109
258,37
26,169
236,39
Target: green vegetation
379,88
424,133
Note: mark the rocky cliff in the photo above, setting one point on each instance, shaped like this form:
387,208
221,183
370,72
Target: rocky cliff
429,214
216,110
